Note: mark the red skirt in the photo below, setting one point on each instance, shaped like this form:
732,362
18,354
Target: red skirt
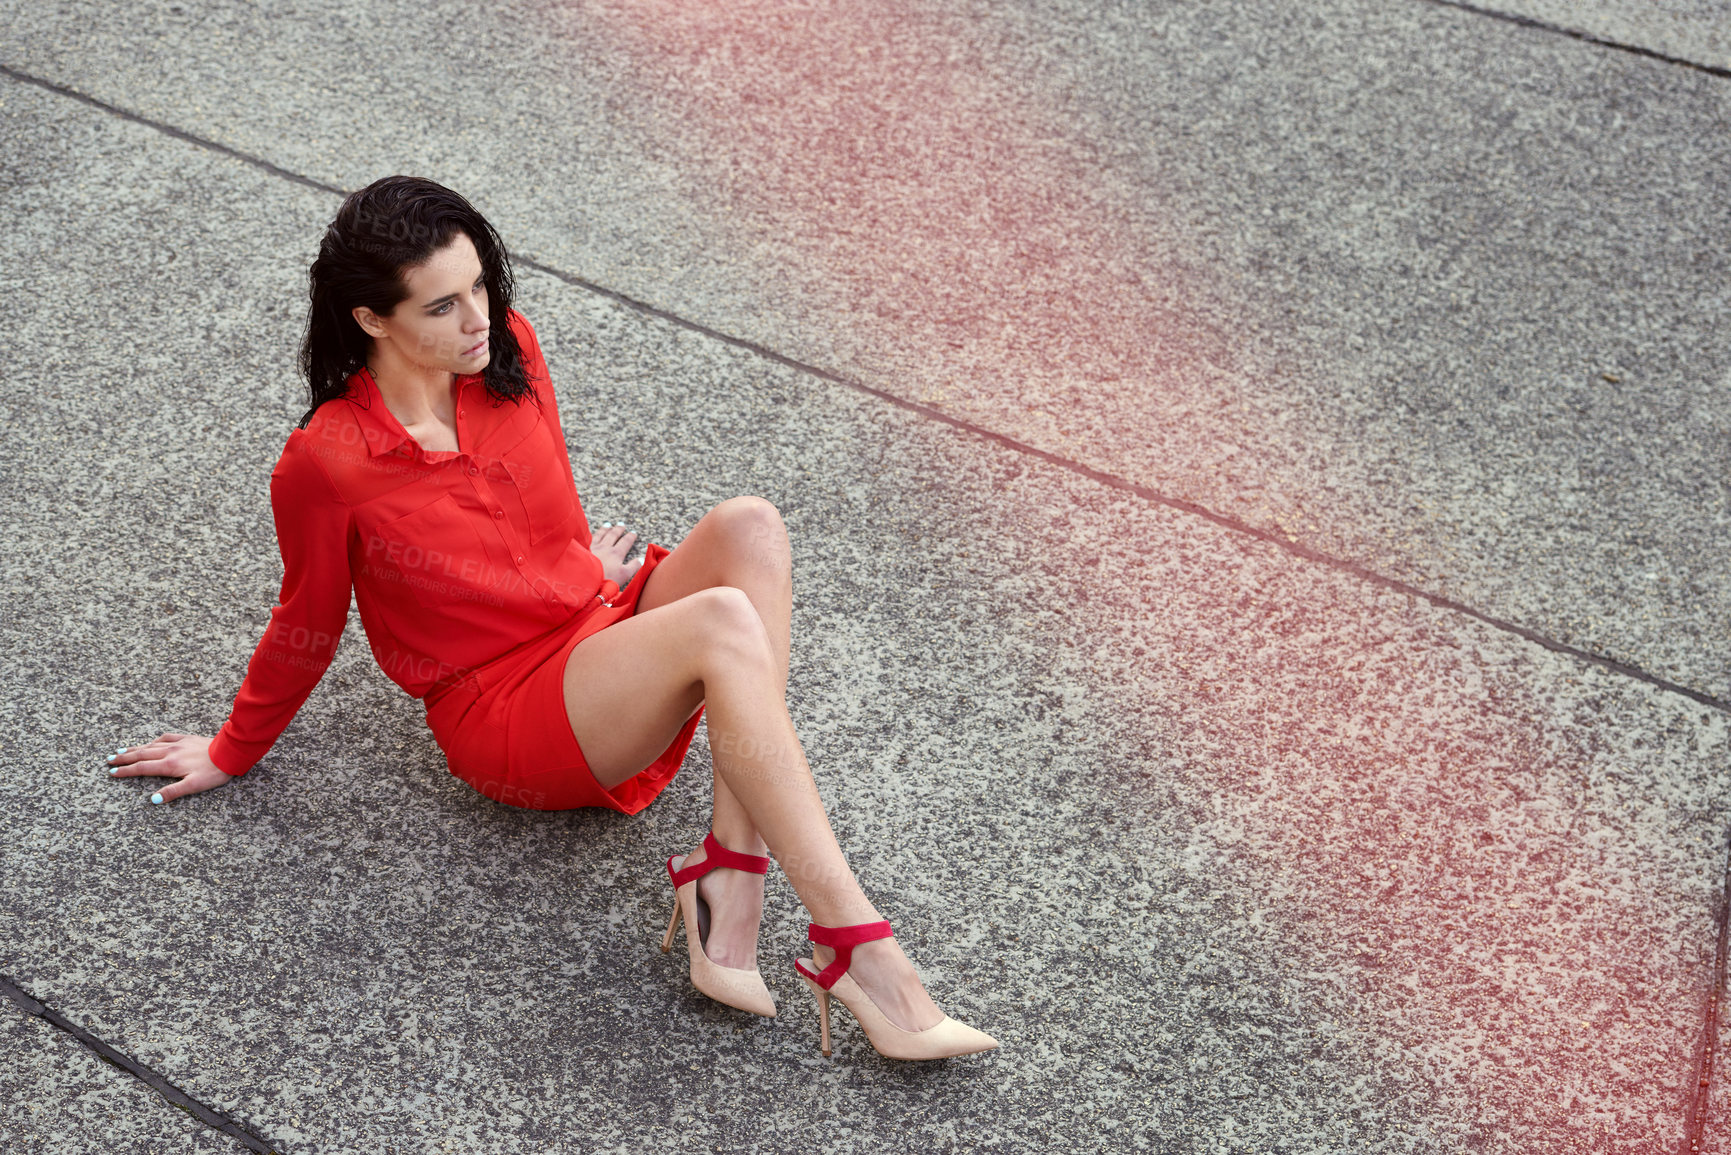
505,731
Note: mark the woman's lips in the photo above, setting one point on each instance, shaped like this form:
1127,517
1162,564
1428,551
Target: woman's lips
475,348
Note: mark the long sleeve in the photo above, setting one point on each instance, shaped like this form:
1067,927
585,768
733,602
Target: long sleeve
312,529
535,366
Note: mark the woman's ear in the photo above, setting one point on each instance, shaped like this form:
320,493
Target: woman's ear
368,321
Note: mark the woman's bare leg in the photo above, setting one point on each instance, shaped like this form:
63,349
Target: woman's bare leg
628,690
740,543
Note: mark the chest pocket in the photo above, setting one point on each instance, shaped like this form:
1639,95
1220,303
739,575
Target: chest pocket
436,553
536,470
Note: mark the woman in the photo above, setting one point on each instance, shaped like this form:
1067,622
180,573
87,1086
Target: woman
430,477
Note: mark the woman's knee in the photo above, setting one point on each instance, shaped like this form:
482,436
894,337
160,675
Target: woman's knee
728,628
755,530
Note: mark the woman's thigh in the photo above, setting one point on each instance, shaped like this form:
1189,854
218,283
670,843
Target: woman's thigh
630,688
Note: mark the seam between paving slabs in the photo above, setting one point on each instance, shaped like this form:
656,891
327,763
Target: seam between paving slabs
206,1115
1584,37
1700,1086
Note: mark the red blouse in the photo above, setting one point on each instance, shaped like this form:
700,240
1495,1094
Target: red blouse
453,558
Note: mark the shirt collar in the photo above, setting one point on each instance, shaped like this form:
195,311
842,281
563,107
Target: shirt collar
380,428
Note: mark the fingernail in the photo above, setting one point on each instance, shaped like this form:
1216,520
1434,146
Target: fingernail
606,525
110,758
156,800
115,770
120,749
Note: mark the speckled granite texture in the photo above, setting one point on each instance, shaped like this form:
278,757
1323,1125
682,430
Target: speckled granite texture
59,1097
1233,851
1698,31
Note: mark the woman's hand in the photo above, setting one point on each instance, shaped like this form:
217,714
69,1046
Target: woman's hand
182,756
611,545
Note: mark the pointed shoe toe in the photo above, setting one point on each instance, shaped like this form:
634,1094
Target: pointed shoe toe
737,988
961,1039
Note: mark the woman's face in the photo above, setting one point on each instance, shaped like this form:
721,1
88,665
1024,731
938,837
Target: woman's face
442,324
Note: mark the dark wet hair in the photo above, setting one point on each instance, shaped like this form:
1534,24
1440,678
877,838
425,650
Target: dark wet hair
380,231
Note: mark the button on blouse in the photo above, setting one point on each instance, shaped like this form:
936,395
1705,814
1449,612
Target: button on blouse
453,559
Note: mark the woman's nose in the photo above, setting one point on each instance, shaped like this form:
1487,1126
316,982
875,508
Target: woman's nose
474,319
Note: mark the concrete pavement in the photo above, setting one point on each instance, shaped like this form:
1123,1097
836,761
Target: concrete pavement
1235,847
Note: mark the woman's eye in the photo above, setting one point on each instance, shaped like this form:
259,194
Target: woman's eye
480,286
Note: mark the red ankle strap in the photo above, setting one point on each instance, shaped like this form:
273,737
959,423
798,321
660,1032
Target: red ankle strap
843,939
714,855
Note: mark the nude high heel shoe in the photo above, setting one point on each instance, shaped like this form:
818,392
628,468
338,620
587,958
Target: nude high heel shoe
946,1039
735,987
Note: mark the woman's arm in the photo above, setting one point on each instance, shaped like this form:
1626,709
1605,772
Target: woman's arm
613,544
535,368
312,527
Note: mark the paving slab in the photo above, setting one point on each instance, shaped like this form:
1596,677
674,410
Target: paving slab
1233,851
63,1100
1409,285
1698,31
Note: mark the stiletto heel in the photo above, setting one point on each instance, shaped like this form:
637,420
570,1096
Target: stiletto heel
672,925
731,985
945,1040
823,1016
